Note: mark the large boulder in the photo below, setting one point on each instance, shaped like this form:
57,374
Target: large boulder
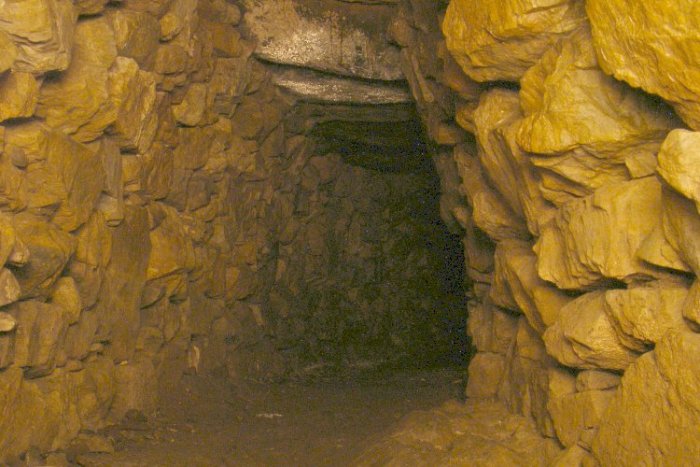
679,163
42,31
77,101
643,315
584,125
495,41
585,337
510,170
516,276
654,419
652,45
49,247
594,239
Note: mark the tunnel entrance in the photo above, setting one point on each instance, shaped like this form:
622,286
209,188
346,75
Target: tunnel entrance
399,152
373,277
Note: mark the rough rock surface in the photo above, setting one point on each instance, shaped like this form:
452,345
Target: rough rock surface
596,238
328,36
652,48
593,129
167,209
656,411
500,41
477,433
169,204
679,163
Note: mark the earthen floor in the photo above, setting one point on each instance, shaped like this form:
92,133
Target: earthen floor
325,420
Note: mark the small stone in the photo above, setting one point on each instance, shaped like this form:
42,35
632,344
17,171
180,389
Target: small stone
9,287
591,380
19,94
190,111
7,322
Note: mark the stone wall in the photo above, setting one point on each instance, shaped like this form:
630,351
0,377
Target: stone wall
163,211
577,197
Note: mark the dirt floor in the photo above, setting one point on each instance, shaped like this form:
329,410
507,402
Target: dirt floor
325,420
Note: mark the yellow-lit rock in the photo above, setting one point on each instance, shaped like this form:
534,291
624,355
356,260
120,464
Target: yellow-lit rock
95,392
491,213
71,179
655,415
172,251
136,34
8,52
643,315
7,322
190,111
133,92
41,329
25,401
478,433
9,290
50,248
90,7
42,31
487,372
226,39
596,129
585,337
652,45
495,41
67,296
596,238
125,276
19,94
77,101
182,14
574,413
691,306
516,273
681,229
497,119
679,163
491,329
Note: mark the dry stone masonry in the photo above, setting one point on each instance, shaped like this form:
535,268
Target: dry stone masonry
167,206
240,188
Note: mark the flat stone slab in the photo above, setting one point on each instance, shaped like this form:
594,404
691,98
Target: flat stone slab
313,86
345,38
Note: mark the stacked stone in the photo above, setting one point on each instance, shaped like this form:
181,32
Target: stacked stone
116,128
160,215
578,202
364,288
